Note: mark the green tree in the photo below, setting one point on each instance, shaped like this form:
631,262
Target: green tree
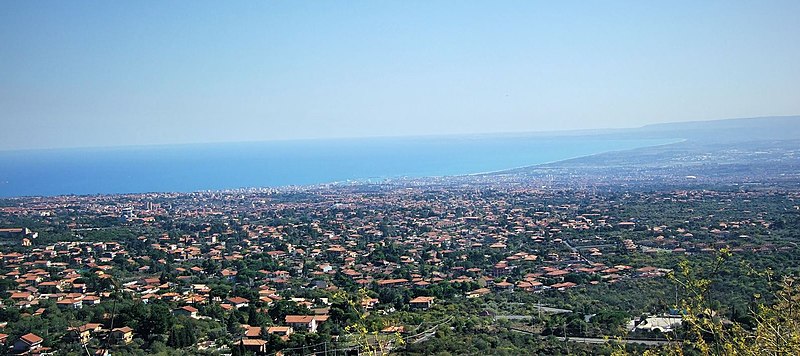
159,320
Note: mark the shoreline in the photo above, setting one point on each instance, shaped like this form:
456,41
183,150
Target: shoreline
350,181
566,159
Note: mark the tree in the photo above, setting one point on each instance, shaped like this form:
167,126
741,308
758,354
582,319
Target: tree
274,342
282,308
233,325
159,320
237,349
257,318
706,332
182,335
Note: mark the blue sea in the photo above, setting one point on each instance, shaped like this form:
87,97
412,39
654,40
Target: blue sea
184,168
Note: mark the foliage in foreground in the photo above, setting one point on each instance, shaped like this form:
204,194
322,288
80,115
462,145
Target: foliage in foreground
774,328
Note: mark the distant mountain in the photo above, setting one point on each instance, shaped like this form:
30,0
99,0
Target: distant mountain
734,151
726,130
730,130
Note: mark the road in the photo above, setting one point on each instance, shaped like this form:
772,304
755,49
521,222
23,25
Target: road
597,340
541,308
575,250
594,340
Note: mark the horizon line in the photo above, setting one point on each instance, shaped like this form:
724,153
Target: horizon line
566,132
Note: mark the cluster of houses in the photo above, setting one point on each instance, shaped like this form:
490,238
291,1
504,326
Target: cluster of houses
402,238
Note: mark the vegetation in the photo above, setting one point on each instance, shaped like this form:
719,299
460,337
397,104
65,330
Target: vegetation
742,300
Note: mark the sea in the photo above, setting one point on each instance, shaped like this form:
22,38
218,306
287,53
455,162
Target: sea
221,166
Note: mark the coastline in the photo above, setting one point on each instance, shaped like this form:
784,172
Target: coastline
509,170
459,153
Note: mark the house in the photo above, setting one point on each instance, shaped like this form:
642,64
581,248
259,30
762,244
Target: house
531,286
170,296
91,300
27,343
478,293
22,296
123,335
320,284
392,282
70,304
150,281
663,323
187,311
238,302
13,236
84,332
504,286
321,318
49,287
257,346
421,303
252,332
230,275
80,334
283,331
369,303
302,322
557,275
563,286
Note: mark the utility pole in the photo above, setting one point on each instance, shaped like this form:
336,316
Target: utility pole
676,296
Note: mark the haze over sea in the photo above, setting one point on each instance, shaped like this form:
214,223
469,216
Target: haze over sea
185,168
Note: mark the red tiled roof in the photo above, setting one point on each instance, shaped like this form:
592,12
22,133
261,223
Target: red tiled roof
31,339
305,319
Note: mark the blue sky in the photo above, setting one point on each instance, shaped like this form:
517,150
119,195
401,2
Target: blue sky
105,73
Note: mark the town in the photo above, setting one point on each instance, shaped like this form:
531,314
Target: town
376,268
348,178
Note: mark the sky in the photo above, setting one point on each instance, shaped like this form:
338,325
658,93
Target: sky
110,73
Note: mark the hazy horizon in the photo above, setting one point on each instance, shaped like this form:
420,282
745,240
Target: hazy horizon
598,132
94,74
